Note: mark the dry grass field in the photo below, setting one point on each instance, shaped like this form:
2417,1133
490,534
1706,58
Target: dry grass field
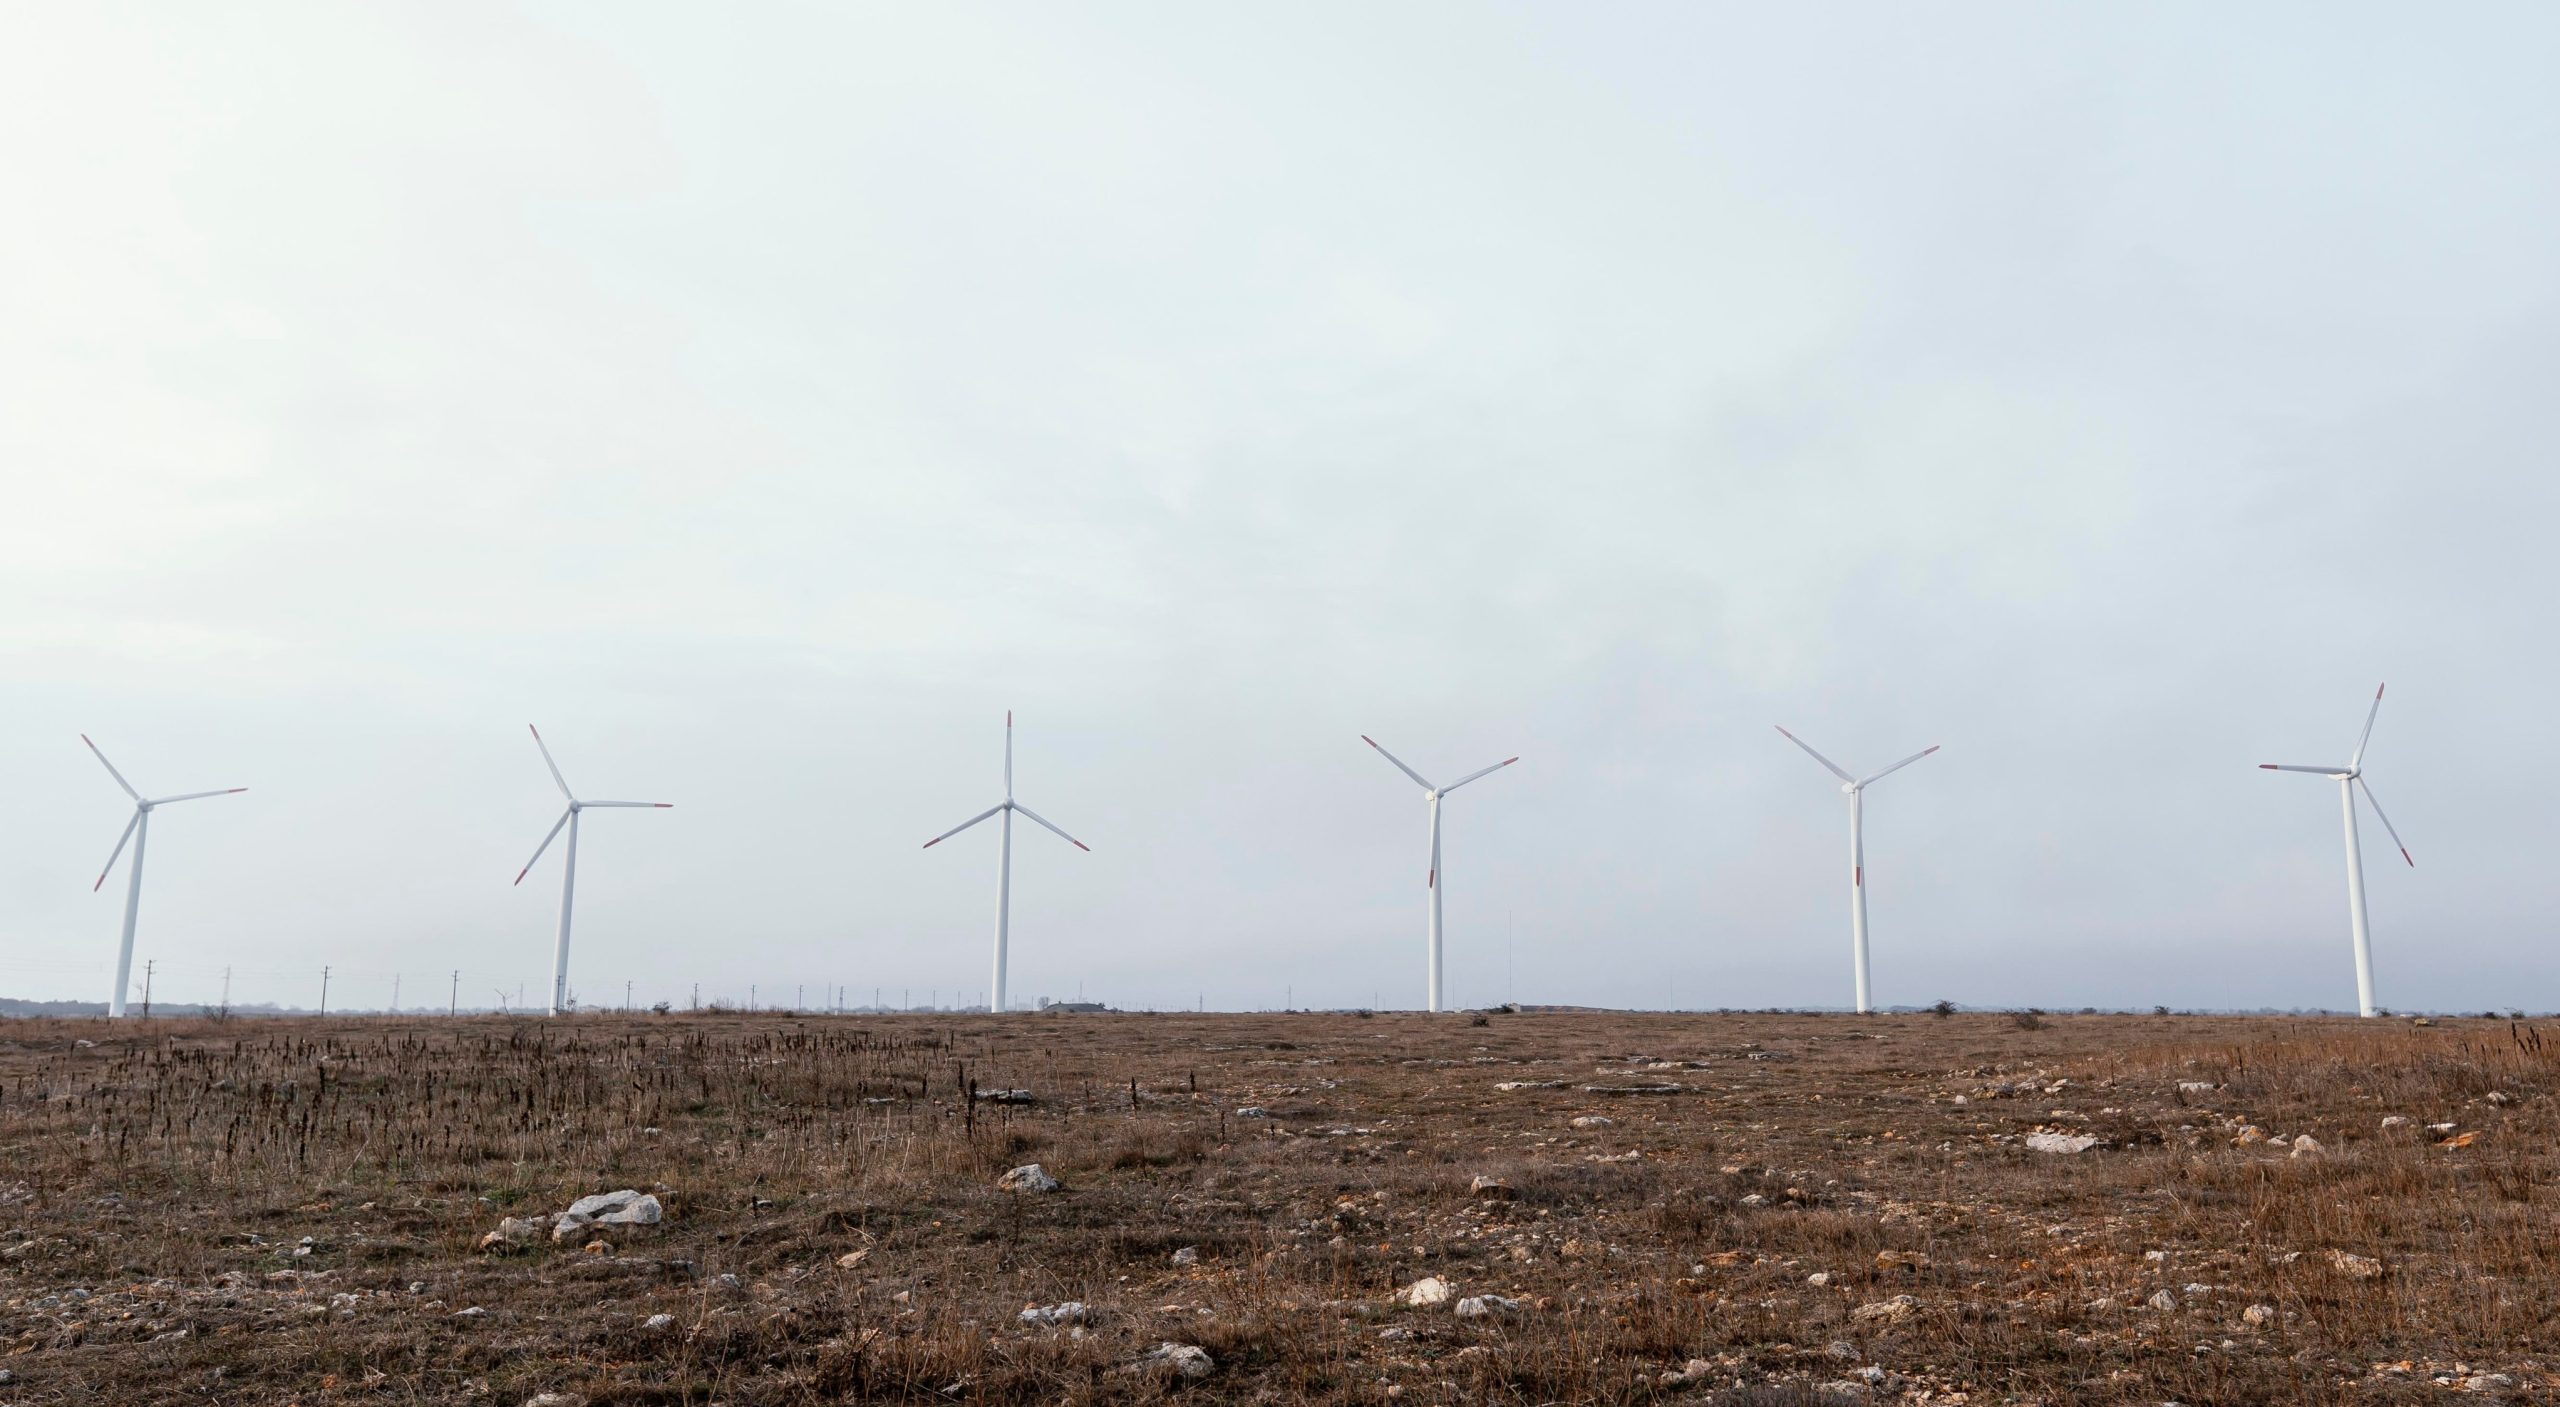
1740,1209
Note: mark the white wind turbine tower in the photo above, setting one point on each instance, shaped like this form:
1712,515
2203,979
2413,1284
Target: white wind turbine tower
1432,795
137,830
1856,787
1004,858
569,869
2348,779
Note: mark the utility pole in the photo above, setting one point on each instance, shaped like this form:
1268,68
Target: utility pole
147,965
395,994
324,989
799,998
453,999
697,996
751,996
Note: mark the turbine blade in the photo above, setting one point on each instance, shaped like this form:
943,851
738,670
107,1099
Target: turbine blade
121,842
1053,830
964,825
643,805
111,769
545,845
1889,771
2386,822
1834,767
2315,771
199,795
547,762
1480,772
1398,761
2358,759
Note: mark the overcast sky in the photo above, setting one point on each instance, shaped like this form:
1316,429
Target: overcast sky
763,403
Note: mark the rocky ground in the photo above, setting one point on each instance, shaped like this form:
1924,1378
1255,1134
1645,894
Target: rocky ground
1282,1208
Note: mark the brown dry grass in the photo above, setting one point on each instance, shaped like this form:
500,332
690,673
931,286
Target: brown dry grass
157,1185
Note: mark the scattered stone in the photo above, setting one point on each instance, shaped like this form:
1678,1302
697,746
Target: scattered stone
627,1207
1188,1255
2487,1382
659,1321
2195,1087
1901,1260
2305,1146
1030,1177
850,1259
1054,1315
1595,1121
1489,1189
1488,1307
1253,1111
2061,1142
2393,1121
1186,1360
2258,1316
2356,1267
2499,1097
1429,1292
2163,1301
471,1312
2463,1139
1818,1279
552,1399
1006,1096
2248,1134
1624,1090
1892,1311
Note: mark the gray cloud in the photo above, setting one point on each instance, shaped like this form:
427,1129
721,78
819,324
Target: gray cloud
765,408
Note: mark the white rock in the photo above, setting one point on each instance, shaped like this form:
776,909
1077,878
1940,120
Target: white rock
1186,1360
2306,1147
1489,1189
2487,1382
1595,1121
1188,1255
1429,1292
1818,1279
2163,1301
2356,1266
2258,1316
1030,1177
658,1321
598,1204
2195,1087
1253,1111
2061,1142
552,1399
2393,1121
643,1211
1488,1306
1053,1315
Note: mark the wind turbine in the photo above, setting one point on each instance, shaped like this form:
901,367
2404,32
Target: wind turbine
1004,856
1856,787
1432,795
569,867
137,831
2348,779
